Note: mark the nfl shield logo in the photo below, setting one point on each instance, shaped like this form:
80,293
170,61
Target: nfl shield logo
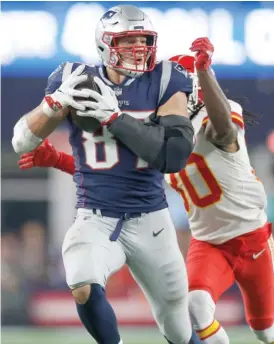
118,91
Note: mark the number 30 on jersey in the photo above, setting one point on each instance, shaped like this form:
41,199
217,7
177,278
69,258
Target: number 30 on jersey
183,184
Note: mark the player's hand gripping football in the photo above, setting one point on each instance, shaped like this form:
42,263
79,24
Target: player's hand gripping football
44,156
105,108
204,50
63,96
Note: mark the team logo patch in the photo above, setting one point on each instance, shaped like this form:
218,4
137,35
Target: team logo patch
181,69
109,14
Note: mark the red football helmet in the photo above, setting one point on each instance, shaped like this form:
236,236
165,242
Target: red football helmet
188,62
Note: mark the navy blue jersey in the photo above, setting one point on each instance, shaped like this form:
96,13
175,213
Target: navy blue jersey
108,175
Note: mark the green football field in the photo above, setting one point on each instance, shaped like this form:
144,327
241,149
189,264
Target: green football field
75,336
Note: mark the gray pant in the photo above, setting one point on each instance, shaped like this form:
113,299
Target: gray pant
155,262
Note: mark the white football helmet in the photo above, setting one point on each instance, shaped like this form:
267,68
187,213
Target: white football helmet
126,21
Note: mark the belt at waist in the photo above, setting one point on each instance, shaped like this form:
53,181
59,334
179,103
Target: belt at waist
116,215
121,216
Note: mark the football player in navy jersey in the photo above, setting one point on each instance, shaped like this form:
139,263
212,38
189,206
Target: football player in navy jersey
122,215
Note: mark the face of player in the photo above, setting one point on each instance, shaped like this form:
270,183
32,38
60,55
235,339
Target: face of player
132,50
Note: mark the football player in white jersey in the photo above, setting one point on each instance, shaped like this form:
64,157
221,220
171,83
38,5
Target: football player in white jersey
225,201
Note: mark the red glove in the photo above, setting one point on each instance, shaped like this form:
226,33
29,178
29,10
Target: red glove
46,155
204,50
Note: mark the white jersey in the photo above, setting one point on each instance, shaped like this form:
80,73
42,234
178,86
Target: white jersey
222,195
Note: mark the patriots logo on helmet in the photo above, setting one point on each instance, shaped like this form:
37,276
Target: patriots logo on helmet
181,69
109,14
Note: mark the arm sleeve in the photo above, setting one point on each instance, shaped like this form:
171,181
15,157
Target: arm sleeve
165,142
174,79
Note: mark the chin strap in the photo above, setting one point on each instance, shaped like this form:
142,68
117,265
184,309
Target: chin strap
129,72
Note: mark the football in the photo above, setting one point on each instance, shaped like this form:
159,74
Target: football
85,123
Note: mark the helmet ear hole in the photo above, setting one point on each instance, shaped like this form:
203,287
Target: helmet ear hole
101,48
150,40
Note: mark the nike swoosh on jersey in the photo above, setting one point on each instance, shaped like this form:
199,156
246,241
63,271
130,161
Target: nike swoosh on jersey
256,255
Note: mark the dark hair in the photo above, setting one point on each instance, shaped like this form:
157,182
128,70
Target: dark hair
196,110
248,117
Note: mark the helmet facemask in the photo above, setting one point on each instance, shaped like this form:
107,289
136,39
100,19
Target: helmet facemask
131,60
195,99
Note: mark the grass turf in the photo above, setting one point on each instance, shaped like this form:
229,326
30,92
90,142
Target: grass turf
238,335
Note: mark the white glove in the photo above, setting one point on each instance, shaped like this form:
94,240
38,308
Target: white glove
105,108
63,96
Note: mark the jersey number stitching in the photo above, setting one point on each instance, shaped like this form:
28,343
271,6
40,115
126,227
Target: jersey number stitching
110,148
215,191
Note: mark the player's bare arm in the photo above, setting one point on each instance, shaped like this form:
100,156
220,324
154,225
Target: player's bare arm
35,126
176,105
220,130
30,131
40,124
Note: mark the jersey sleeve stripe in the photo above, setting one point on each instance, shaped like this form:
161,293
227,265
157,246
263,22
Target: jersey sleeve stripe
238,121
236,118
67,71
205,120
236,115
165,78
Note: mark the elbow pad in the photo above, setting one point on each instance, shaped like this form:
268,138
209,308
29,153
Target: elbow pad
143,139
24,140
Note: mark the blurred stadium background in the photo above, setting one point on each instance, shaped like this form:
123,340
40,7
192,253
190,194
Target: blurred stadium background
38,205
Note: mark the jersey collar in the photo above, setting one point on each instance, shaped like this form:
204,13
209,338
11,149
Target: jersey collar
103,75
